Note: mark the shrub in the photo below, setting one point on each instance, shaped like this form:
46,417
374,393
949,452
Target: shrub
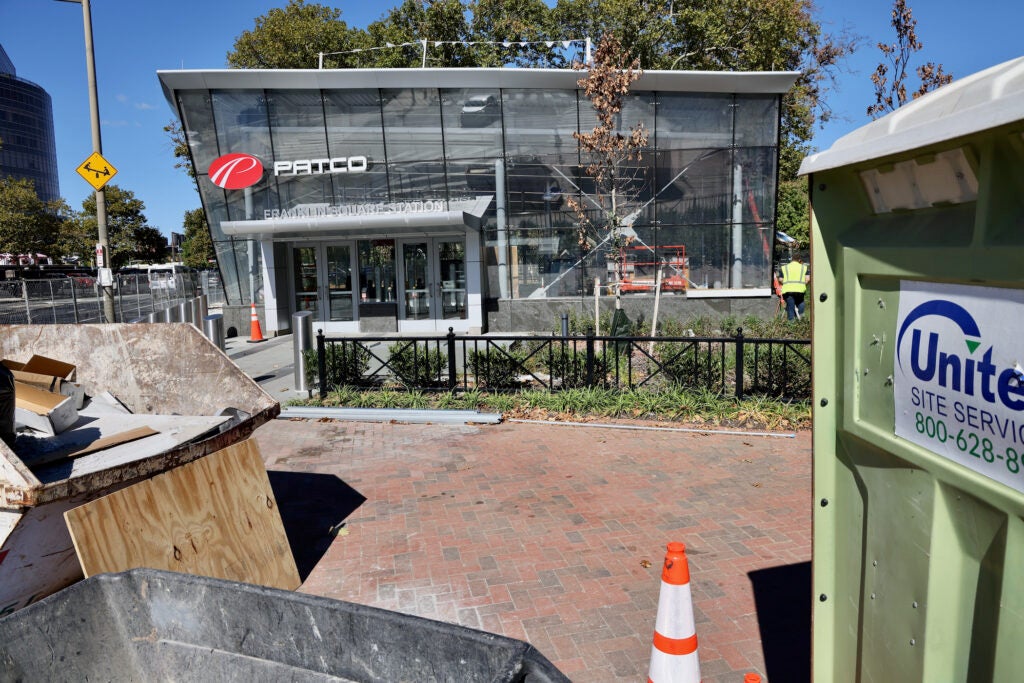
568,366
778,369
417,365
347,363
695,364
496,367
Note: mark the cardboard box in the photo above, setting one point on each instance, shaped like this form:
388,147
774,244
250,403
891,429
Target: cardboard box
45,411
50,375
50,366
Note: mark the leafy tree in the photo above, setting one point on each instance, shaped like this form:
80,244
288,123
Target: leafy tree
794,212
130,237
890,78
197,247
179,146
293,37
514,20
441,23
28,225
726,35
608,150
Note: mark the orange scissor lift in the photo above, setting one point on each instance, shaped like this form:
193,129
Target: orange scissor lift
638,269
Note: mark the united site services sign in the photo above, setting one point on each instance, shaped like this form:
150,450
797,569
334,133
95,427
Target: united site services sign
958,381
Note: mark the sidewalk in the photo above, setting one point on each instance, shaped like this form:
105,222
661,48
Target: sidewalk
271,363
549,533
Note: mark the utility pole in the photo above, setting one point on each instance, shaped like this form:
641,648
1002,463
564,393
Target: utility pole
103,271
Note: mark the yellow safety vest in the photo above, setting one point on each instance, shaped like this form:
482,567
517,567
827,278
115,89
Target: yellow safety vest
794,277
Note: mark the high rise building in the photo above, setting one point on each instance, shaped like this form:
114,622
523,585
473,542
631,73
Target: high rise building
27,146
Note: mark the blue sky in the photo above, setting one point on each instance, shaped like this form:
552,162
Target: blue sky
133,40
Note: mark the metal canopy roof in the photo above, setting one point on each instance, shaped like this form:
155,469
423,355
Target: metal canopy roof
987,99
743,82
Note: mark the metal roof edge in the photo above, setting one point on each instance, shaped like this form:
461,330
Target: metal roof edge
740,82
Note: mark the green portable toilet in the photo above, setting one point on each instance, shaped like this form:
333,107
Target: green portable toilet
917,257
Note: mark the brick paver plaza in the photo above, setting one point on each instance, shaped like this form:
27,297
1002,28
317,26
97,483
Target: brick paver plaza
556,534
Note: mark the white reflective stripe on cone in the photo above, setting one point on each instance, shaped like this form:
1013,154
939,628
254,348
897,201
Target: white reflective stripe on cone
673,668
675,611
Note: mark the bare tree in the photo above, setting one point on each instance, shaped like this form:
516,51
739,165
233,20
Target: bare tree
891,75
610,150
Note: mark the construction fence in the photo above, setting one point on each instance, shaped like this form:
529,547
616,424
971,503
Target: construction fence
78,298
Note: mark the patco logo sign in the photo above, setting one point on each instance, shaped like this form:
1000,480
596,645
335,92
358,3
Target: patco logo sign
238,171
235,171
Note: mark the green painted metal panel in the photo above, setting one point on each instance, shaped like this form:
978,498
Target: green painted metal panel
918,411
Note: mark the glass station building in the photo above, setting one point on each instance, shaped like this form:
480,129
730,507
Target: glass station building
414,200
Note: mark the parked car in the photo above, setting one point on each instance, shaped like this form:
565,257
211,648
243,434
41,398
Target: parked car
479,111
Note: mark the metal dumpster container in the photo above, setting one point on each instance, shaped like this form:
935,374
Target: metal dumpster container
151,625
917,259
164,372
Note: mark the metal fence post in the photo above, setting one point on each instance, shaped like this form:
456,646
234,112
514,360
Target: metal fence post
739,363
321,362
74,299
590,358
28,309
53,301
451,359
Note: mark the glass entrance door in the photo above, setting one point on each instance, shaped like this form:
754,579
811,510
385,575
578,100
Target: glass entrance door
451,263
322,280
433,283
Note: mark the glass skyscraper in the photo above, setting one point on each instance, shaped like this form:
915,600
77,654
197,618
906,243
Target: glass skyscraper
27,146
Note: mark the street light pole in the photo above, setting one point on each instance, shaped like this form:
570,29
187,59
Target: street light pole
97,146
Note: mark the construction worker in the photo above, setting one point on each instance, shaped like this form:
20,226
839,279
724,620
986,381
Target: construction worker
795,276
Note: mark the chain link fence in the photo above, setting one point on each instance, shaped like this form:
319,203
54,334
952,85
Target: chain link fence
78,299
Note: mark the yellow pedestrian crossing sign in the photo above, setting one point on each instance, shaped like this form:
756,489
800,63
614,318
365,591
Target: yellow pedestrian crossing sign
96,170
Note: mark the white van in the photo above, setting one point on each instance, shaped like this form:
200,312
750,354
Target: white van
165,275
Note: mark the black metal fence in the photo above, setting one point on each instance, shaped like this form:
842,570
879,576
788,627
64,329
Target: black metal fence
737,365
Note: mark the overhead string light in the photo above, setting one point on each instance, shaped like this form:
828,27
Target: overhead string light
423,43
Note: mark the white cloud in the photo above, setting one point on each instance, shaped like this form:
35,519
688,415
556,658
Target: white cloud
144,106
122,99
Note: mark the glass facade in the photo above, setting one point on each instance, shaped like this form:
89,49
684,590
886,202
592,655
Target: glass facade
27,146
701,198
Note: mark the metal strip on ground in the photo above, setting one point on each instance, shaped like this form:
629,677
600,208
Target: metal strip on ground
392,414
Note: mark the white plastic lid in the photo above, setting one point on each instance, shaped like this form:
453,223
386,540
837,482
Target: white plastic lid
984,100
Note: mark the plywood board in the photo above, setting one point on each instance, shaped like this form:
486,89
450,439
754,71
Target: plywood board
100,444
216,516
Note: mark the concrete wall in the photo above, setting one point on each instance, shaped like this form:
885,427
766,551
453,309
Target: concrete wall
544,316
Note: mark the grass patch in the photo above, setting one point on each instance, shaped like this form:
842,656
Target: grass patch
677,406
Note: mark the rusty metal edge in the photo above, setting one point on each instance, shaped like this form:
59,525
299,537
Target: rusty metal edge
129,473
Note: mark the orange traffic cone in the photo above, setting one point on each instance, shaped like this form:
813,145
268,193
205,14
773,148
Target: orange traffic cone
674,654
752,678
255,333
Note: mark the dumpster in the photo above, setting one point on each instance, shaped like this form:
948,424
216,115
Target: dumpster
917,249
167,379
148,625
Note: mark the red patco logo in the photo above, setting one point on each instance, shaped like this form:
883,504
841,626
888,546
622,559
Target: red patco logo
235,171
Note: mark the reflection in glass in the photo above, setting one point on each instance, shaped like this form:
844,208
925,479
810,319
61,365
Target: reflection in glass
304,269
417,280
452,264
708,184
376,270
339,282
